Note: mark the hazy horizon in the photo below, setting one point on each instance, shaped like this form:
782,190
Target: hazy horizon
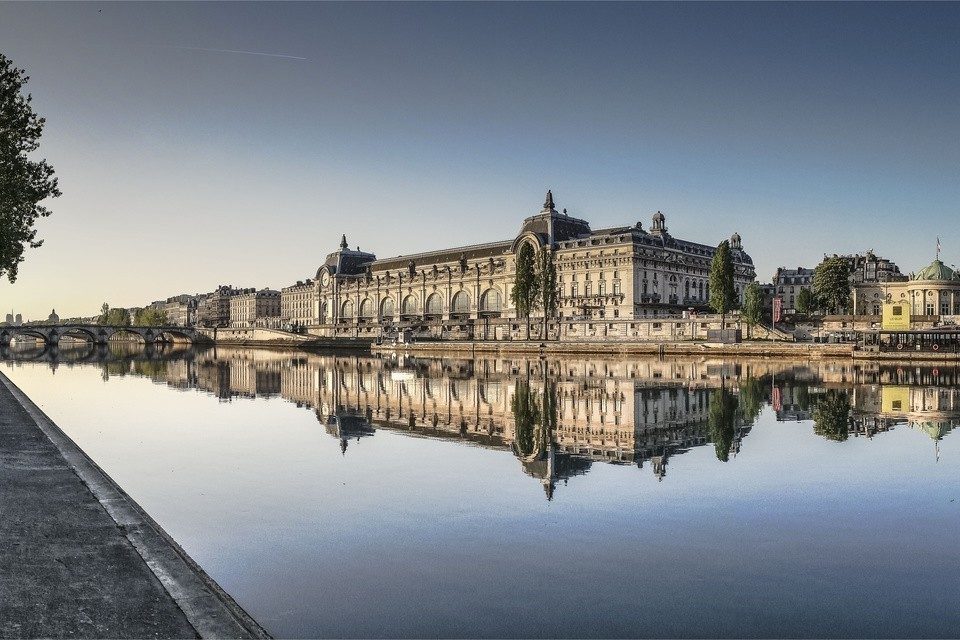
203,144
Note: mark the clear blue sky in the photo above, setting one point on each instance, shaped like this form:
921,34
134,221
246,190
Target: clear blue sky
808,128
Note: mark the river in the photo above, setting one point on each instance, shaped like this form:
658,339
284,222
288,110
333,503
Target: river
366,496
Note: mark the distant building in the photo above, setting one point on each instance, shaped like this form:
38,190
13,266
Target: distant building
53,318
255,308
870,268
612,275
14,320
180,310
864,269
213,309
788,283
932,292
298,303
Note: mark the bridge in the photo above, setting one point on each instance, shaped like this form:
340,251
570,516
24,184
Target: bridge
52,334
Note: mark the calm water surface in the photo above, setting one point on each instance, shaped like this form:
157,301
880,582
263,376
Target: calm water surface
362,496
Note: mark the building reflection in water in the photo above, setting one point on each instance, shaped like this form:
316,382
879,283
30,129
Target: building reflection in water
557,416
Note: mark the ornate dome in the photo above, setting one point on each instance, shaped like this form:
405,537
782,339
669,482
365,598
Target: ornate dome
936,271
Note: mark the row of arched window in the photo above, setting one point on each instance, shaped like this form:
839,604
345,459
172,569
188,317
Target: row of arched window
490,301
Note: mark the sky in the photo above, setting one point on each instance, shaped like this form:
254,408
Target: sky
200,144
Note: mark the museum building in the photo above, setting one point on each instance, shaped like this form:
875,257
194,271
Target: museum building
620,273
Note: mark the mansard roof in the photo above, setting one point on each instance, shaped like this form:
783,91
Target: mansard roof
667,241
469,252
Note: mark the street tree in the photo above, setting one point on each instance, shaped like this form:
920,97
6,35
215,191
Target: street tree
831,285
806,302
526,285
24,183
114,317
752,306
722,293
547,284
150,317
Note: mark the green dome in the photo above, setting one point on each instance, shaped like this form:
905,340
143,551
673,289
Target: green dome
936,271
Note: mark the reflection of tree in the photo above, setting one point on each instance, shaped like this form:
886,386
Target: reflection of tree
722,418
527,419
117,367
831,415
802,396
751,399
150,368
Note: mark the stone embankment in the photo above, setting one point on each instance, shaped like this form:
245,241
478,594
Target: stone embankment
751,349
277,338
686,348
80,558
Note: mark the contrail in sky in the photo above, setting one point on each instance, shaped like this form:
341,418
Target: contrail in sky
248,53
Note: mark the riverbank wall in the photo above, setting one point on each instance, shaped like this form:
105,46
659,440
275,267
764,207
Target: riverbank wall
81,557
744,349
751,349
277,338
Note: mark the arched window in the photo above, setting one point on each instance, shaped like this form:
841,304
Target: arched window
434,305
366,308
410,307
460,302
491,300
386,308
346,311
323,312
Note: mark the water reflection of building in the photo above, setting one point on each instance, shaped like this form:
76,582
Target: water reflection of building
618,412
932,410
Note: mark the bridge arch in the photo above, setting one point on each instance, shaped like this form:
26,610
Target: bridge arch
88,335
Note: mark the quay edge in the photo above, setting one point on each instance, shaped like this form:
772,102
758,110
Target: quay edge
207,607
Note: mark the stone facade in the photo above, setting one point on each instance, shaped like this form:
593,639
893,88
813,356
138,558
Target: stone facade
180,310
253,308
932,291
619,273
298,303
788,283
213,309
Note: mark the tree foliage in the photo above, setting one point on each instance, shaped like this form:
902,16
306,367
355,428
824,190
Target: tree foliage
150,317
806,302
547,285
115,317
526,285
752,304
831,284
24,183
722,292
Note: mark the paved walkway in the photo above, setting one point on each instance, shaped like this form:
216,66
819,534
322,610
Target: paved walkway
73,548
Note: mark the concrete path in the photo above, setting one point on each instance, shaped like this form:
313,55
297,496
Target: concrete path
79,558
